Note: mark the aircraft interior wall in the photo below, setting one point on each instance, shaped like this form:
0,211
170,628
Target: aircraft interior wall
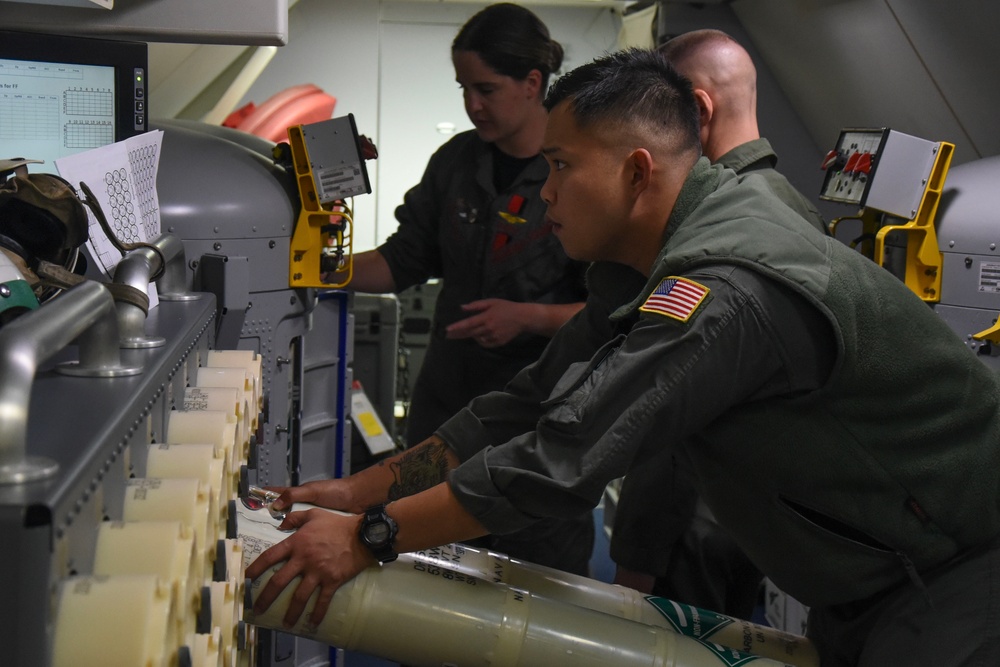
926,68
799,151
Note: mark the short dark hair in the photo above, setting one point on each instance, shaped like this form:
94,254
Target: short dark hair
511,40
631,87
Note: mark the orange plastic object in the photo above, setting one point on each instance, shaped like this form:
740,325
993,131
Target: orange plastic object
297,105
234,119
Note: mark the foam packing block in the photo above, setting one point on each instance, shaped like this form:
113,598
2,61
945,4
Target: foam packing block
113,620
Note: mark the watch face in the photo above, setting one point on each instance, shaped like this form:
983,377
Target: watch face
377,533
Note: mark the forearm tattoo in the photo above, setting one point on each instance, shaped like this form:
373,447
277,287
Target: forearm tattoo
418,470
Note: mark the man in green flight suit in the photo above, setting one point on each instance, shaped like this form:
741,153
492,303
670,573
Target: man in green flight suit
837,428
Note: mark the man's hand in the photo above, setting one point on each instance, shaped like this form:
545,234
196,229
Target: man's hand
333,494
324,550
496,322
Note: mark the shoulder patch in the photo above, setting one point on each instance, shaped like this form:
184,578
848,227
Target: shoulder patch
675,297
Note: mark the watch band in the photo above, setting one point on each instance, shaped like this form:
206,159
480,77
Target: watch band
378,533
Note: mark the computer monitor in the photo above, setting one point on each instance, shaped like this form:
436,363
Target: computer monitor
61,95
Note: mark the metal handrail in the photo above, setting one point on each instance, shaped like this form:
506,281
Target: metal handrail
85,314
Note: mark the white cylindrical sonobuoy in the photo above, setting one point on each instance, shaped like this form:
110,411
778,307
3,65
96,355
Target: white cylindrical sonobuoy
611,599
237,377
215,427
113,620
248,359
226,612
441,616
622,601
206,462
226,399
163,548
187,500
206,649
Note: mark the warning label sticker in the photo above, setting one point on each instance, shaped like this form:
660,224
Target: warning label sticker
989,277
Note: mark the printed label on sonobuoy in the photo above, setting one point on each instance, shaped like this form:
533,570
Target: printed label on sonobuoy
701,624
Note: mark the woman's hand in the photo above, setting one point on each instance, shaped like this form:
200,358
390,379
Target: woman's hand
496,322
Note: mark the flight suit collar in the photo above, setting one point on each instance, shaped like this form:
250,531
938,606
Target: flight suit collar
752,155
536,171
703,179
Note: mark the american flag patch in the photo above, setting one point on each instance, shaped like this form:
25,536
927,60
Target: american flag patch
675,297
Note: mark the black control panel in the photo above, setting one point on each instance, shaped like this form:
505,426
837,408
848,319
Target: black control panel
139,83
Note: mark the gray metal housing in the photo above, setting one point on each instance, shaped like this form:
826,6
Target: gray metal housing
235,211
968,230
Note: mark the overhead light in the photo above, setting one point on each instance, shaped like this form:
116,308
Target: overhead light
445,128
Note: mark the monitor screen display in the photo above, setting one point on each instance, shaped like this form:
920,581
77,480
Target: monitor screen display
62,95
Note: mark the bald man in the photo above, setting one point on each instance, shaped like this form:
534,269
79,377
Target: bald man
725,87
665,540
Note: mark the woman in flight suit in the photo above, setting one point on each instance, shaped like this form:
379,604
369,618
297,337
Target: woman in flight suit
476,221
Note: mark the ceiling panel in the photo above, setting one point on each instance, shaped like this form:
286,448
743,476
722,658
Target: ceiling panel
850,63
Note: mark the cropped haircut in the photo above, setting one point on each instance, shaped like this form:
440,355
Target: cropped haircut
511,40
632,88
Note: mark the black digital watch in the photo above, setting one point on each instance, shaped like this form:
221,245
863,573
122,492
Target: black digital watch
378,533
